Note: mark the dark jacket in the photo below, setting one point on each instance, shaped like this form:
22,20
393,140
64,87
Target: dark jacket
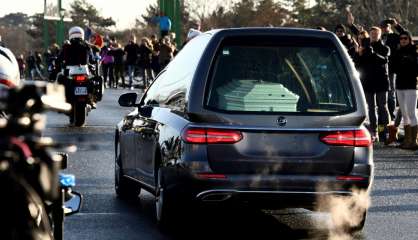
78,52
131,53
145,54
373,68
118,54
389,39
405,66
349,44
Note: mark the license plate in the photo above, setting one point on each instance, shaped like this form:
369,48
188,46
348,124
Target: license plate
80,91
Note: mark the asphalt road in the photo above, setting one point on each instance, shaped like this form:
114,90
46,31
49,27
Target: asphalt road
393,213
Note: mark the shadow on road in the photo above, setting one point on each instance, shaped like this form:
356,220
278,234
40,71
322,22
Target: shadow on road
237,222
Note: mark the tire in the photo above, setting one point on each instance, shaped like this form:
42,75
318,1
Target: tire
124,188
80,113
164,211
71,116
353,230
360,226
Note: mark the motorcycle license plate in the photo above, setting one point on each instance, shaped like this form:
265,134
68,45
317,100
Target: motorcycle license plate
80,91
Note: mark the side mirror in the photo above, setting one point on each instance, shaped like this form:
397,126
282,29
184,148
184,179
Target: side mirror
128,100
73,205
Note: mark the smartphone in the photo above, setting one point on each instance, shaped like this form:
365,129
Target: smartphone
365,42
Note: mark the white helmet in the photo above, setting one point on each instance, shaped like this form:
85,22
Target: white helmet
76,32
9,69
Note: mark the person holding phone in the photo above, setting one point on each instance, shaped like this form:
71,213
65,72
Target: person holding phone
372,62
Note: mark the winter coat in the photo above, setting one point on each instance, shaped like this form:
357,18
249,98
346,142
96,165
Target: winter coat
373,68
405,66
166,53
349,44
145,54
117,54
131,53
76,53
107,57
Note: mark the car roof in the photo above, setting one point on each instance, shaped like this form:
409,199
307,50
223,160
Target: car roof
272,30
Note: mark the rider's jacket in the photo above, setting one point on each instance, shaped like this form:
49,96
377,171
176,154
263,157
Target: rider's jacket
77,52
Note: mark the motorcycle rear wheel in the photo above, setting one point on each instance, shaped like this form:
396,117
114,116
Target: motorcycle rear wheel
80,113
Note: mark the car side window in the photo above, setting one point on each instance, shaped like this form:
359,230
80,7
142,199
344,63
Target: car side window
151,96
173,89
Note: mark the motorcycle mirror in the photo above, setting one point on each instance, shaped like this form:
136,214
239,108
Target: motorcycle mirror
73,205
128,100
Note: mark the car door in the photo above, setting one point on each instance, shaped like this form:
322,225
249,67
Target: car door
127,144
145,141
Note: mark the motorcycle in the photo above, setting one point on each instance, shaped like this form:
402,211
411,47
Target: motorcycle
33,203
83,91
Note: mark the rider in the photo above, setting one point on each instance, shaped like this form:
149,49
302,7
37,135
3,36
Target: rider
9,72
75,52
9,69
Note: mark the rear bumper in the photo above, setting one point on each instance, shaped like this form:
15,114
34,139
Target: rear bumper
269,191
268,199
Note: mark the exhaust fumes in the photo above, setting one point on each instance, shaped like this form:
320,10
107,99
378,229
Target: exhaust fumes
347,213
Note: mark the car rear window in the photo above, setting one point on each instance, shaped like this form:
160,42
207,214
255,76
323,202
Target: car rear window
279,74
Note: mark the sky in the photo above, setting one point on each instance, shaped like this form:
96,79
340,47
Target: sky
124,12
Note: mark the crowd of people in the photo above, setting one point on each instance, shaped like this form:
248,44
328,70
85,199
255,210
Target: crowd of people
387,60
145,58
384,55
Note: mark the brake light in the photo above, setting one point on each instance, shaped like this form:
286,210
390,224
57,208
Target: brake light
8,83
80,78
194,135
210,136
351,178
354,138
211,176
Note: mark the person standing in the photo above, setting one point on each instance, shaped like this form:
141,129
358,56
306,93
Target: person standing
164,23
405,66
391,39
22,66
346,39
118,54
131,50
107,64
145,56
166,52
372,62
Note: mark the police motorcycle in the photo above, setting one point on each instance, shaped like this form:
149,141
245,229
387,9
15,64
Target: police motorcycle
35,197
84,86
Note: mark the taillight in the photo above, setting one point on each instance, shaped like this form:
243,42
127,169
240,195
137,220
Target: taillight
354,138
80,78
194,135
351,178
211,136
211,176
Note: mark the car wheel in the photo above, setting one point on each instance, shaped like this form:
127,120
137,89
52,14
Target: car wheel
347,228
163,207
124,188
